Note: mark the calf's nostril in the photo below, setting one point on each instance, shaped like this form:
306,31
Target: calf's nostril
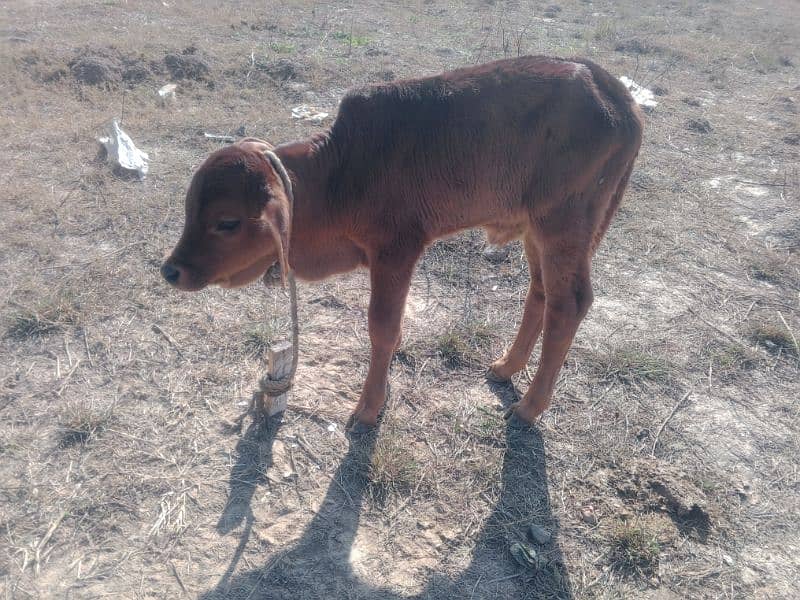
170,272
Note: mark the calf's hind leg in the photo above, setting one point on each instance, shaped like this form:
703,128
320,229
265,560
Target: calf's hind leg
568,296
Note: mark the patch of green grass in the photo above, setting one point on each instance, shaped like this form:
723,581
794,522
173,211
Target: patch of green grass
488,426
461,346
9,448
631,365
452,349
709,486
282,47
605,31
351,39
634,551
258,340
774,337
730,359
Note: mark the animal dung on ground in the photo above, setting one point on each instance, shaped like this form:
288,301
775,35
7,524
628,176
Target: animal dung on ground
643,97
122,153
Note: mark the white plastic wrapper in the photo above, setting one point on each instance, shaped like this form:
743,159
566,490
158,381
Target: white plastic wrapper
642,95
122,152
167,93
309,113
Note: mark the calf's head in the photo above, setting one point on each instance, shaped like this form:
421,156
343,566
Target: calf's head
238,221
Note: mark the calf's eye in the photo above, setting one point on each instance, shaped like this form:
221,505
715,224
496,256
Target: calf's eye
228,225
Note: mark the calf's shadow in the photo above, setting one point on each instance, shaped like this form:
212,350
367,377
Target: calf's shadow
317,566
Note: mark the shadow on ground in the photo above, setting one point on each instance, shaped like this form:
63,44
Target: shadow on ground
318,566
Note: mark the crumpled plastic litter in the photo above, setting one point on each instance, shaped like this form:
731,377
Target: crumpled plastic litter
309,113
167,93
123,153
641,95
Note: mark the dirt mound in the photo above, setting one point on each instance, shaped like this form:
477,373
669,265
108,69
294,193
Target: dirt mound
96,70
647,488
187,66
109,66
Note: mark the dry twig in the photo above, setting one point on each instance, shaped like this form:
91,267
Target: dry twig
667,420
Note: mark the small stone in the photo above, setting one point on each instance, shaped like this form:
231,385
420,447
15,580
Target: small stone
539,534
448,535
524,554
727,559
588,515
422,524
496,254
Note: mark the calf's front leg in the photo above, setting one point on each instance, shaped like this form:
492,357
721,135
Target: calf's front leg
390,277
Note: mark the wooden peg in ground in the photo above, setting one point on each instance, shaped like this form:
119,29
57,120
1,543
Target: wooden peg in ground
279,366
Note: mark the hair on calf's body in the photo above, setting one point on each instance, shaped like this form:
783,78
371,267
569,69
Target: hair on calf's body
533,148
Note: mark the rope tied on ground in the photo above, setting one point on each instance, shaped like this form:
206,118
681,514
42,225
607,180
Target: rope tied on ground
275,387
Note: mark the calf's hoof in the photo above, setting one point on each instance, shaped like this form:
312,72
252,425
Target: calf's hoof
355,426
517,418
495,377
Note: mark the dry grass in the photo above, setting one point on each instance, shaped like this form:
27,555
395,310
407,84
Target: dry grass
775,337
125,471
81,422
394,469
630,366
52,313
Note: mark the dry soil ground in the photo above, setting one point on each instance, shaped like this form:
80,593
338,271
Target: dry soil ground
667,465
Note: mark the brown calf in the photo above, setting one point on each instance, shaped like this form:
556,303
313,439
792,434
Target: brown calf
533,148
